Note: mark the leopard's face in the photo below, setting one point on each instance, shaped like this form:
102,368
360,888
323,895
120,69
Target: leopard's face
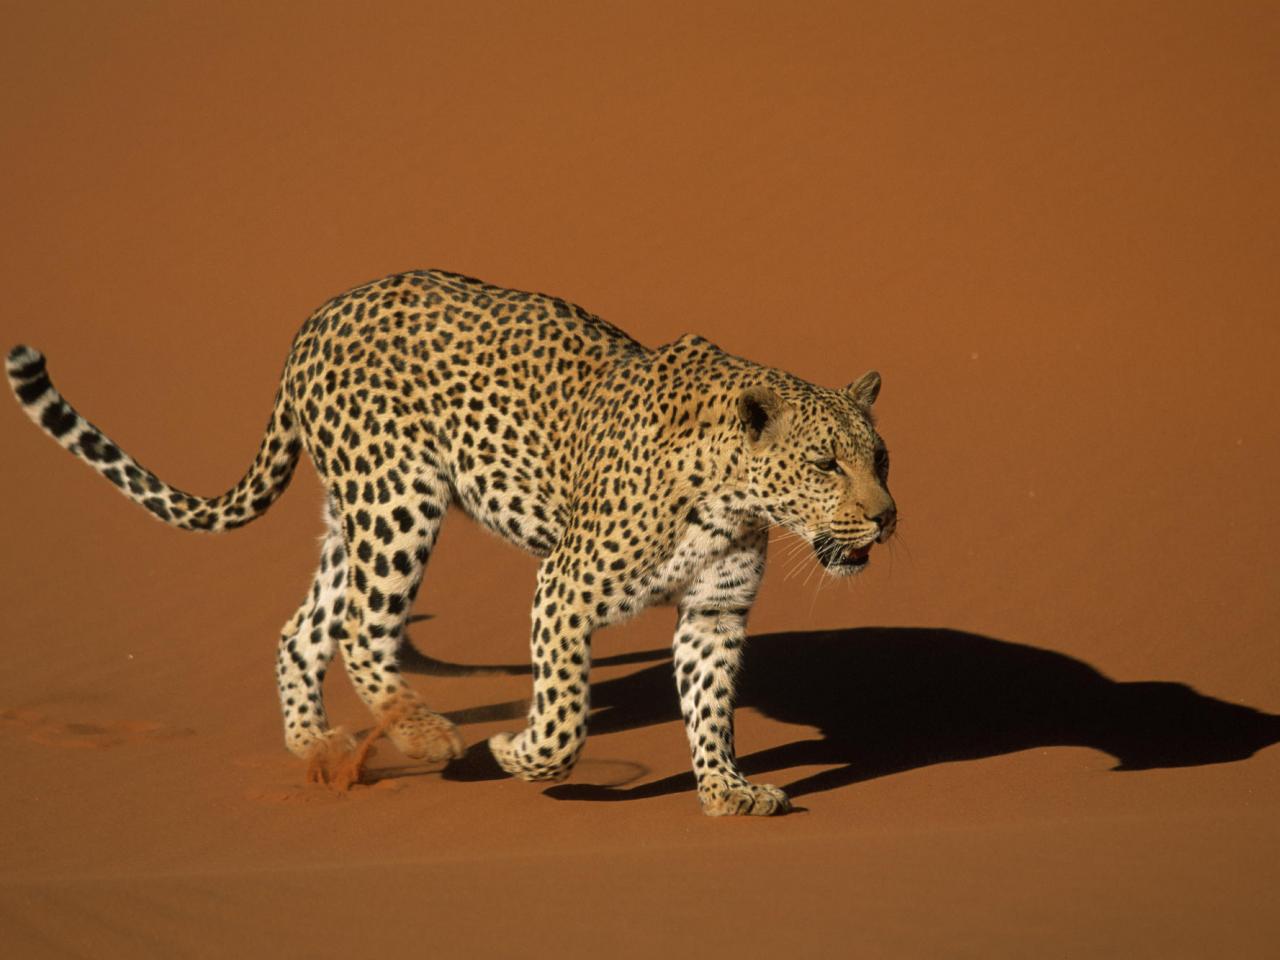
816,466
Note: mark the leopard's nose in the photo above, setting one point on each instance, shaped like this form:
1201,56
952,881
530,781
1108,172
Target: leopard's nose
887,520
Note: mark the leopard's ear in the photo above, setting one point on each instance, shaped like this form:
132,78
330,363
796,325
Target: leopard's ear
762,413
865,389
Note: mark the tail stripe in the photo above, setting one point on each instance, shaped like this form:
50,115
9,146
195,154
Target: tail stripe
30,370
29,393
58,418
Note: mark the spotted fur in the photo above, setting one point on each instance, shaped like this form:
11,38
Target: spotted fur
640,477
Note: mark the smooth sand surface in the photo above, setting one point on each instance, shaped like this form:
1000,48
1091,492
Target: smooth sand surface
1042,724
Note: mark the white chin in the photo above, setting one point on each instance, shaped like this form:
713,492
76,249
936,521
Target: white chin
846,569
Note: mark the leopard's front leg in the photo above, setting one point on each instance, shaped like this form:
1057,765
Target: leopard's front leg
708,650
549,746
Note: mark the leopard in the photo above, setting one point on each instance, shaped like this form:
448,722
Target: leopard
638,477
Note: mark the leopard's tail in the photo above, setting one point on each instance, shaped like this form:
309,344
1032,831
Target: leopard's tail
265,479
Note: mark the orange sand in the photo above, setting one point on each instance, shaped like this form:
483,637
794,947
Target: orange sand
1052,229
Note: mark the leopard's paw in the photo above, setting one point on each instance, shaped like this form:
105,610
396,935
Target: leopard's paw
328,757
504,753
724,797
517,759
421,734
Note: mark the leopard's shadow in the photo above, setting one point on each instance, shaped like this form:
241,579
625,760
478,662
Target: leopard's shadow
891,699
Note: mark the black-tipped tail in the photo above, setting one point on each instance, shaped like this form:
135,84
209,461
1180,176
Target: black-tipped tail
264,481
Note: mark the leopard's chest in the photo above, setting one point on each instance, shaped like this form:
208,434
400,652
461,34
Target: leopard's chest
703,542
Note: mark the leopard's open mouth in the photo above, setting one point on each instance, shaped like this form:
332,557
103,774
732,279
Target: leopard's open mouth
834,555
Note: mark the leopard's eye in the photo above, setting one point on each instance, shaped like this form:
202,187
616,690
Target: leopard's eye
827,466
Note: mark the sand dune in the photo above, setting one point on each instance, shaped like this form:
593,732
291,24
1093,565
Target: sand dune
1042,723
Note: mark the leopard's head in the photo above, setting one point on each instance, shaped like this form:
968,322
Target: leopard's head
815,465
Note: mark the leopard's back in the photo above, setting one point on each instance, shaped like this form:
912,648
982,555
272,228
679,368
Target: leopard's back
489,383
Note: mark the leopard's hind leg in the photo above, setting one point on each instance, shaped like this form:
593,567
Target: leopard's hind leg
307,644
389,538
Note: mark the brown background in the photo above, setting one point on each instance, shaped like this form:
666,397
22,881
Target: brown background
1053,228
